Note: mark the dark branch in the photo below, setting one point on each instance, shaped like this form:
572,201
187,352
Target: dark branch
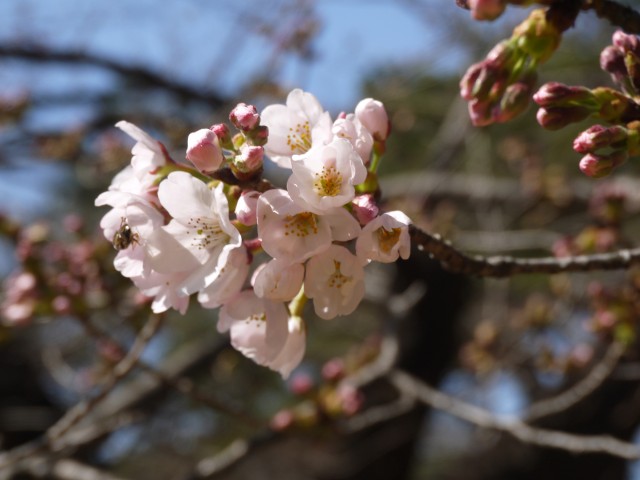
619,15
502,266
140,74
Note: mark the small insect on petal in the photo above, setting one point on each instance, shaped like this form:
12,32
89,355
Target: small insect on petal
125,237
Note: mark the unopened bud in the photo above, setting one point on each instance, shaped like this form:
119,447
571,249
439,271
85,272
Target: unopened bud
514,101
373,116
557,118
612,61
597,166
598,137
244,117
480,113
203,150
555,94
626,42
224,135
365,208
247,206
249,161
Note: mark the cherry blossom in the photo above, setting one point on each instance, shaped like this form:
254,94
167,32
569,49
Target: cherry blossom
258,327
295,127
200,235
278,279
335,281
293,351
229,280
291,232
148,153
325,177
165,289
352,129
385,238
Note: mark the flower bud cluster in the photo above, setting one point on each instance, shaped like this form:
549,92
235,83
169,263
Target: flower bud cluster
499,88
178,233
622,61
607,147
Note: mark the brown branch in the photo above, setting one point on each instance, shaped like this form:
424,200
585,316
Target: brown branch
38,53
121,369
503,266
596,377
526,433
619,15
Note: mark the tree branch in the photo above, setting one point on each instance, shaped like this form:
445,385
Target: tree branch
619,15
42,54
503,266
580,390
526,433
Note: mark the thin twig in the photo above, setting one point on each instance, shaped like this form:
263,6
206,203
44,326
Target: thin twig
580,390
121,369
504,266
512,426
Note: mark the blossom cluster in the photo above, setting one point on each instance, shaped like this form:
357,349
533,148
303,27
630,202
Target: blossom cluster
213,227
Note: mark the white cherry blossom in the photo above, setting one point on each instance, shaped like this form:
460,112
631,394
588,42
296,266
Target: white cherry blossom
164,289
295,127
351,129
335,281
291,232
229,281
200,235
258,327
293,351
385,238
278,280
325,177
148,153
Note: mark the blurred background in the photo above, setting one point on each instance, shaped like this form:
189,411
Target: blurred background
194,408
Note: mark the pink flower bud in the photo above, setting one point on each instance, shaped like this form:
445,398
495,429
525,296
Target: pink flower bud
244,117
247,206
224,135
555,94
365,208
250,159
597,166
480,112
486,9
557,118
373,116
612,61
514,101
597,137
626,42
203,150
